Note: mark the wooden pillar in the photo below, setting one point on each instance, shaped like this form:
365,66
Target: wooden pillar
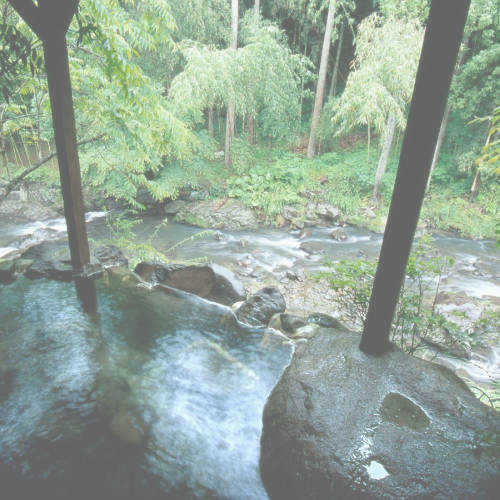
437,60
56,63
50,20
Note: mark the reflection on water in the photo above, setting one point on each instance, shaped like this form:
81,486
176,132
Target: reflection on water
153,396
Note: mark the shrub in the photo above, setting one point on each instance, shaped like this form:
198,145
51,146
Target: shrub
417,320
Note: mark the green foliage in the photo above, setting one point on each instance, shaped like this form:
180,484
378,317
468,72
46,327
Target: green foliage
490,154
382,78
262,79
416,320
121,234
458,214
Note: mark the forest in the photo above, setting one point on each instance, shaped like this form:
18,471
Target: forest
270,103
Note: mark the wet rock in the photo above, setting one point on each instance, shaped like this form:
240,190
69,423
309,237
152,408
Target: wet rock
338,234
237,305
289,213
48,250
144,197
258,309
291,323
286,323
22,264
219,236
212,282
294,275
7,270
110,256
324,320
173,207
343,424
50,269
275,321
327,212
306,331
38,237
26,210
218,214
312,247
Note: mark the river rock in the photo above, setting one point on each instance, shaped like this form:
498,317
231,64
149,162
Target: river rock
312,247
343,424
218,214
305,332
26,210
50,269
173,207
291,323
213,282
259,308
324,320
338,234
110,256
327,212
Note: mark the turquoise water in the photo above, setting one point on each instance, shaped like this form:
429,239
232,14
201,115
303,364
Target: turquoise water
153,395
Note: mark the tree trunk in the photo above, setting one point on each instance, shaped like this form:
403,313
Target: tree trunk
250,119
320,88
251,130
256,10
439,142
446,115
230,106
211,121
368,133
474,190
335,74
384,156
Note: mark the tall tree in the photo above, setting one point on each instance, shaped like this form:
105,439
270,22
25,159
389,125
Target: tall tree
384,156
320,88
230,106
335,72
250,117
446,116
379,88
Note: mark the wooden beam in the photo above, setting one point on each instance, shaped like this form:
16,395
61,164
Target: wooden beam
439,53
29,12
50,21
56,15
61,101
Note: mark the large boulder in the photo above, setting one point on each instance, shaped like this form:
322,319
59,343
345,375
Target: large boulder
260,307
218,214
211,281
343,424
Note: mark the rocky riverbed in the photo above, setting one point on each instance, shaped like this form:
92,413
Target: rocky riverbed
287,258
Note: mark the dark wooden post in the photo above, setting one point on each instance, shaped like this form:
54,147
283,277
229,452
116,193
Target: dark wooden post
439,53
50,21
